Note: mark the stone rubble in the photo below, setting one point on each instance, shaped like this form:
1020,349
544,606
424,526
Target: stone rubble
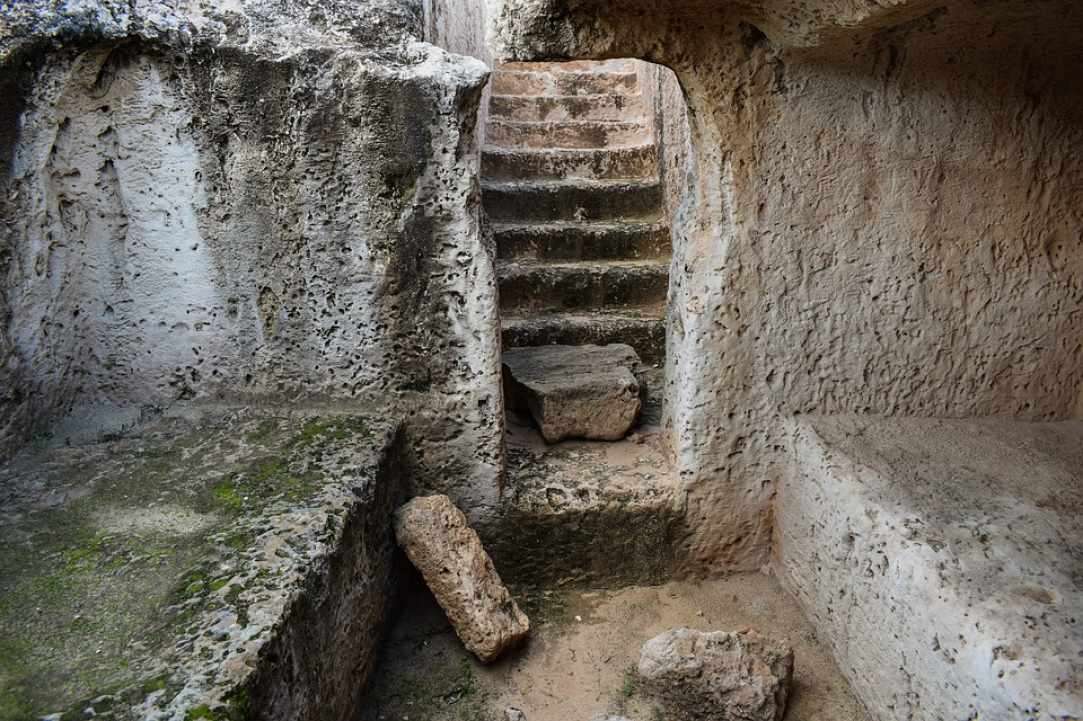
575,391
717,676
448,553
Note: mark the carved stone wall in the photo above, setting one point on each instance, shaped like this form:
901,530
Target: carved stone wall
262,201
885,218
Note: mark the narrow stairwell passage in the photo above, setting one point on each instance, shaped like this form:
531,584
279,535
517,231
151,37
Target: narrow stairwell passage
571,184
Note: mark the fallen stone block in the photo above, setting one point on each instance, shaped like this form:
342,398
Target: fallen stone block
584,391
460,574
720,676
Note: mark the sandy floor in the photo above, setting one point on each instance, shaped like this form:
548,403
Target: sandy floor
585,644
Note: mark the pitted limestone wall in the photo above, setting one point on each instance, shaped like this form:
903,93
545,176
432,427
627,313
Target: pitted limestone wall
458,26
242,202
676,159
885,218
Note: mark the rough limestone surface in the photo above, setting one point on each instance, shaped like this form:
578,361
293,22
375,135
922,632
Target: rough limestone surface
881,215
436,538
942,562
212,563
583,391
586,514
241,201
717,675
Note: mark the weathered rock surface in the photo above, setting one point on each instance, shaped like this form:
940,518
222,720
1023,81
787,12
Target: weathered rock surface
214,564
806,282
717,676
958,545
245,200
602,515
448,553
575,391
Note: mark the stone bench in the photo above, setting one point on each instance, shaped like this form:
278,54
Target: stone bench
942,561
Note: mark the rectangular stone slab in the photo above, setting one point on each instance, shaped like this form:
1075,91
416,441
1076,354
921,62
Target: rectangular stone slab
575,391
460,574
940,559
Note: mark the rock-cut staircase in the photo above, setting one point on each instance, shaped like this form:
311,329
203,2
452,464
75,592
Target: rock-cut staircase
570,175
571,185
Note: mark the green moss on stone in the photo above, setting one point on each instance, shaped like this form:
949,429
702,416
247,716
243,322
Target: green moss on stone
226,496
199,712
236,708
322,430
74,592
233,598
264,431
158,683
218,584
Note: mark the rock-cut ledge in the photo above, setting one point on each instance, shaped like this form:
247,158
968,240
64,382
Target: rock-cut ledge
217,564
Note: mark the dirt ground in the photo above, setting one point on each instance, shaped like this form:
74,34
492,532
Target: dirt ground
581,658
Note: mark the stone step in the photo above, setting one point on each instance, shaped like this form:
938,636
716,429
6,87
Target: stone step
540,287
583,241
563,82
582,391
552,108
583,200
586,514
644,331
622,65
634,161
575,134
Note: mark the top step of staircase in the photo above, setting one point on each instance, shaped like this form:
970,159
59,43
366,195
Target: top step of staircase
563,108
563,82
623,65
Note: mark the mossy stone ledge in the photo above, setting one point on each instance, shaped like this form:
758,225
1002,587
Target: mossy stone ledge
176,571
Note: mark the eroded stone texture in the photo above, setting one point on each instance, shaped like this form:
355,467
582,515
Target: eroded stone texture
580,513
941,561
215,563
881,216
575,391
717,676
241,201
448,553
